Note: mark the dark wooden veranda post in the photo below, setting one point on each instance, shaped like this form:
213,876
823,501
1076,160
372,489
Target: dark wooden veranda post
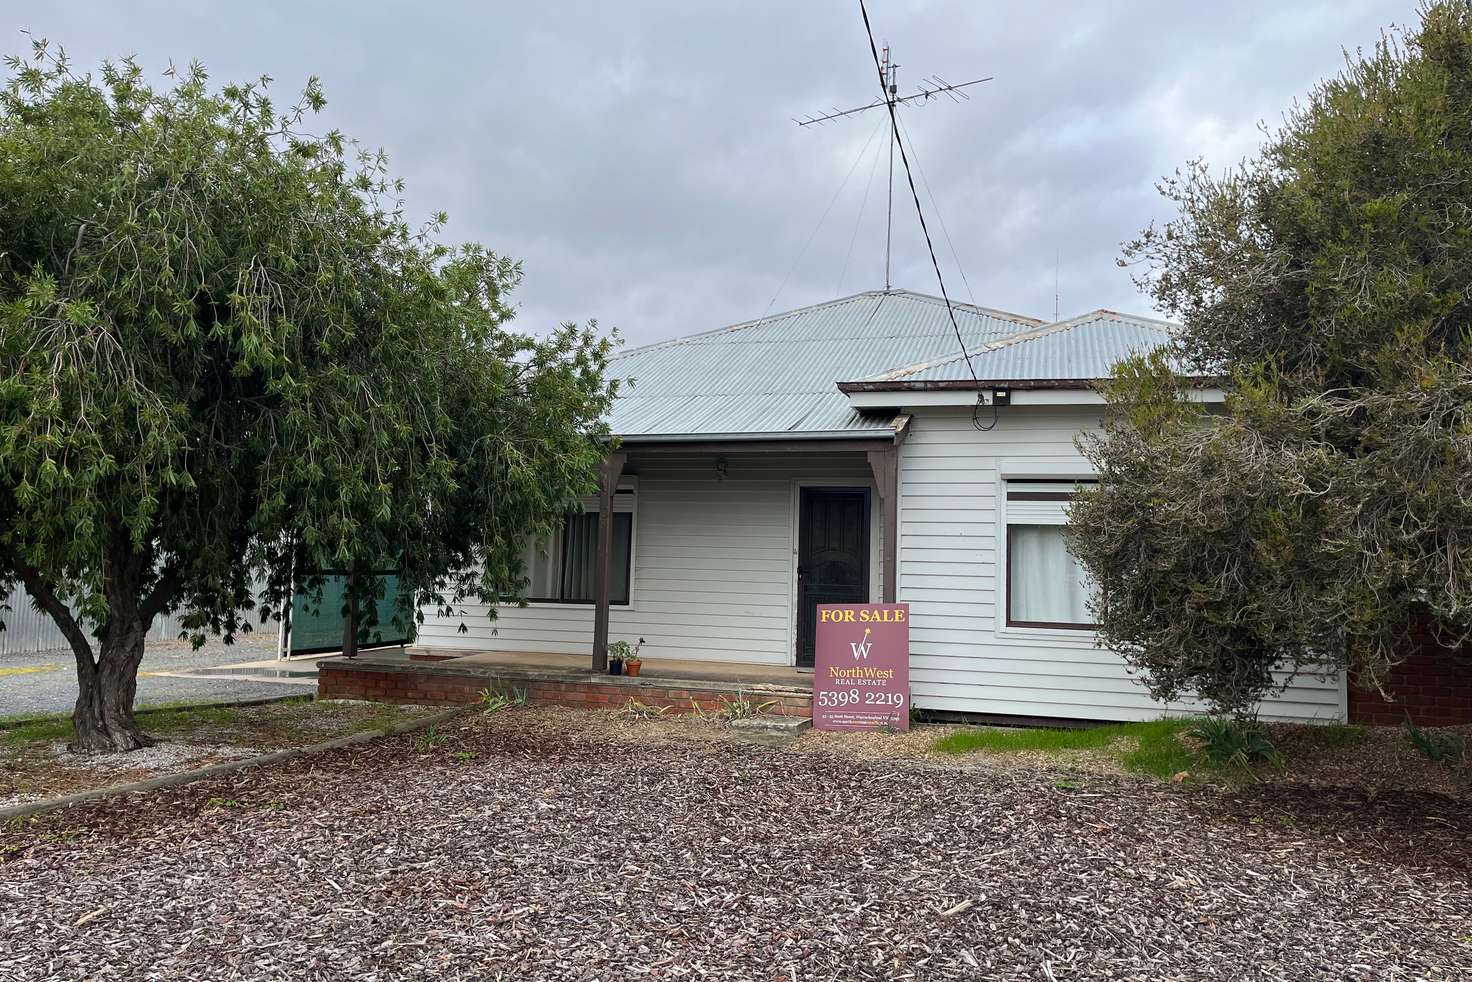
613,469
885,463
350,612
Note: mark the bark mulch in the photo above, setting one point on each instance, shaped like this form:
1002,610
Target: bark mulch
35,763
538,844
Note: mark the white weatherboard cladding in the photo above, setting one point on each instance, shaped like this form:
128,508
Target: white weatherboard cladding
713,565
963,657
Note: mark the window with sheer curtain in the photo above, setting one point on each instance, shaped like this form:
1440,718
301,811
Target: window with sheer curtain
562,569
1046,587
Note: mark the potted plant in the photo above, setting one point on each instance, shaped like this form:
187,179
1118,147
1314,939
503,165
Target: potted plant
618,651
632,663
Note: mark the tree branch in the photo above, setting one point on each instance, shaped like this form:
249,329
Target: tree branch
47,600
163,591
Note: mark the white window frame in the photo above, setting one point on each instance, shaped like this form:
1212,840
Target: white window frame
625,501
1011,472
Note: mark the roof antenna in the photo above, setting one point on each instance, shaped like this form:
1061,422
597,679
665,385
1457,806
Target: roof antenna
1057,257
931,88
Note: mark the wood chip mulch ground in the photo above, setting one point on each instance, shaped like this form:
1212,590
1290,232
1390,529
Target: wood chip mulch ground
532,845
35,768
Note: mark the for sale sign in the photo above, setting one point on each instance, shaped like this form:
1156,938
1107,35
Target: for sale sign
861,679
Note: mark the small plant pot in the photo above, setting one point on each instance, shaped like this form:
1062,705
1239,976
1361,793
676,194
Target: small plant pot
615,666
631,668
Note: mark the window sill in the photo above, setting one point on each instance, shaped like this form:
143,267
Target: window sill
1071,635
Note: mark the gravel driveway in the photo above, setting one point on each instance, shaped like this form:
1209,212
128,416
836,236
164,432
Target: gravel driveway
46,682
537,845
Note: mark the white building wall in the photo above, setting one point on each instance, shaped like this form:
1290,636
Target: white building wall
963,656
714,565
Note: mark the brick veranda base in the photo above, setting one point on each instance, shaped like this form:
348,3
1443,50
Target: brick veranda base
1433,686
442,684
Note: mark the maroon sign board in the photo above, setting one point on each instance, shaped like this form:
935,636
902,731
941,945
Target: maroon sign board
861,677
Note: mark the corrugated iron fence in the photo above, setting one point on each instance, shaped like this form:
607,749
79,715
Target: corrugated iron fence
28,629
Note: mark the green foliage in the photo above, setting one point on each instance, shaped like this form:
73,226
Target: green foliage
492,701
1324,283
430,739
1438,745
741,706
623,651
634,709
224,351
1228,742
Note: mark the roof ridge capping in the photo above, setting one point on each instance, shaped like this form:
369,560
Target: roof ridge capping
1057,327
975,308
796,311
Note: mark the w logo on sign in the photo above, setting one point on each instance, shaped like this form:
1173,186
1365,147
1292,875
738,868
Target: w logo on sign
861,648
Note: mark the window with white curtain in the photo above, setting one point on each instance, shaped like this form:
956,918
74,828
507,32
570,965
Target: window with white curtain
562,569
1046,587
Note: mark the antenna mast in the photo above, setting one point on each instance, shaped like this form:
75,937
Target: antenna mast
933,87
890,71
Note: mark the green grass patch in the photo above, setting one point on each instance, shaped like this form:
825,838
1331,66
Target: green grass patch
156,720
1153,747
1158,749
36,730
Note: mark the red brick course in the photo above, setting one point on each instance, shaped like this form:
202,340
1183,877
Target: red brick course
407,686
1433,686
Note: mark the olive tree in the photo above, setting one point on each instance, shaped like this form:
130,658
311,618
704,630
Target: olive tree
226,355
1327,283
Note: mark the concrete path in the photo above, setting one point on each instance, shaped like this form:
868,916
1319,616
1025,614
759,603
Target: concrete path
46,682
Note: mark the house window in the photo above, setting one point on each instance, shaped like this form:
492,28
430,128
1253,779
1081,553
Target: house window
563,569
1046,587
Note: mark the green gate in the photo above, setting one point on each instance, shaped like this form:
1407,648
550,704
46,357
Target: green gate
316,625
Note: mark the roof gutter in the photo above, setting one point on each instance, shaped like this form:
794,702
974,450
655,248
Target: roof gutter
940,385
878,432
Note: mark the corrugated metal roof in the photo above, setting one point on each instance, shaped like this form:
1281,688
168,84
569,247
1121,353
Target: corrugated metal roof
1080,349
779,375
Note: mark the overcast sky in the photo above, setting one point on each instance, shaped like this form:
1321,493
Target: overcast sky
641,159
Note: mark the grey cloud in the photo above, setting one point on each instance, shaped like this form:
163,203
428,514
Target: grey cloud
640,158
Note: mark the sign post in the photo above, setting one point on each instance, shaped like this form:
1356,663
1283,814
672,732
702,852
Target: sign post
861,679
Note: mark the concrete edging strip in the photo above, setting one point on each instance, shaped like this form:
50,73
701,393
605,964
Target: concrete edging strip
32,808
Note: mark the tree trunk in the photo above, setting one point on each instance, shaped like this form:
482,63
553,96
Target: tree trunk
103,719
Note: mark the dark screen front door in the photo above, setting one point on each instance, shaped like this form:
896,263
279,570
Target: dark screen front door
832,556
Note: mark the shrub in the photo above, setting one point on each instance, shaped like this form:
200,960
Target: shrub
1436,745
493,702
1228,742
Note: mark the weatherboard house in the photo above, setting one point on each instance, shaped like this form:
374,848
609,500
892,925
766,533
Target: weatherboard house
839,453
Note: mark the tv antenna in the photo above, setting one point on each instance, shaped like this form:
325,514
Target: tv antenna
931,88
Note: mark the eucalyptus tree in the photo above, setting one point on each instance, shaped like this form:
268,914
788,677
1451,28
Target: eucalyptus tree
1328,283
225,354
